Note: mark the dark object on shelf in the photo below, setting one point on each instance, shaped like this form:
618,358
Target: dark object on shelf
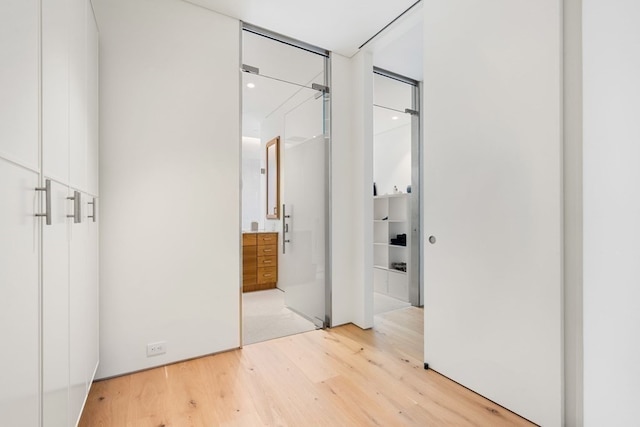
385,218
375,189
408,188
400,240
400,266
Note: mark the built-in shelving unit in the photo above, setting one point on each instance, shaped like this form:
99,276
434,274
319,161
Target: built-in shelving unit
391,219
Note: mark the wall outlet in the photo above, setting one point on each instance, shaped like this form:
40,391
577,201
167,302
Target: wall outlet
156,348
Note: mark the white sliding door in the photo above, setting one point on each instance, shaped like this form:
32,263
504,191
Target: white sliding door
493,277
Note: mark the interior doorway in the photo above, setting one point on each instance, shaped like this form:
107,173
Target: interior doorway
397,56
285,186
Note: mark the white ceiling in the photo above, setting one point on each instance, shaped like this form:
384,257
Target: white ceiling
341,26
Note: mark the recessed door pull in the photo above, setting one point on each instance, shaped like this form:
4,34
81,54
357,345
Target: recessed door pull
432,239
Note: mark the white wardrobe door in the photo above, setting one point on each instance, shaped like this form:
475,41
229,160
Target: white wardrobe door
19,34
55,89
55,310
92,103
90,329
78,95
78,308
493,278
19,295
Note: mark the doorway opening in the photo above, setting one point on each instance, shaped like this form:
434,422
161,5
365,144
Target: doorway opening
285,186
396,201
398,276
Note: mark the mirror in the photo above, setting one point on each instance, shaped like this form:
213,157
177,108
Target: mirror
273,178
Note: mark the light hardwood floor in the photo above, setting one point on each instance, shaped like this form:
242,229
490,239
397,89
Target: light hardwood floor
339,377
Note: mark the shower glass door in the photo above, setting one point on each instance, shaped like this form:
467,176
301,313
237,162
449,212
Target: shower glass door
305,153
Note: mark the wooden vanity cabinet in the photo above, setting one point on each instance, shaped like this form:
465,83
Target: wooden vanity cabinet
259,261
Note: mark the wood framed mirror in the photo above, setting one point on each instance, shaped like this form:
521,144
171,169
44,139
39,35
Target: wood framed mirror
273,178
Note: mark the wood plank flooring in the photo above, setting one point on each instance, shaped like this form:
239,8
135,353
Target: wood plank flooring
339,377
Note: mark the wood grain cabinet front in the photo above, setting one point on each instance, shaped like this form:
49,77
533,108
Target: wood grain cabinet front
259,261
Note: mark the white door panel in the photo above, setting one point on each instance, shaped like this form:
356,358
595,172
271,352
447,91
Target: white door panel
302,267
78,96
55,309
91,343
79,331
92,103
55,89
19,81
19,295
493,279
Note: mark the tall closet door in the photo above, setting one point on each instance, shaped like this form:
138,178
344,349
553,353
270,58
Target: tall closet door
19,228
55,89
19,81
55,310
78,296
493,272
83,306
92,102
19,308
91,330
78,95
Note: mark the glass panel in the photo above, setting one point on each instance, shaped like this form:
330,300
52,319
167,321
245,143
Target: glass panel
280,103
303,272
282,61
391,93
391,150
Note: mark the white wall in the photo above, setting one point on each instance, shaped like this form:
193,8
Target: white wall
352,192
252,183
169,182
493,200
611,212
344,247
361,75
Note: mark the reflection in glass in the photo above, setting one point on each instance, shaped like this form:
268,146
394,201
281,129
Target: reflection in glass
273,178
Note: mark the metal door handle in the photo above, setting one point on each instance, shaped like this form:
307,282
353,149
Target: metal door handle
47,203
285,229
77,219
93,213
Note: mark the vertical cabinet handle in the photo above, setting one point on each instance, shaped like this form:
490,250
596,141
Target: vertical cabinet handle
47,198
285,229
93,215
77,203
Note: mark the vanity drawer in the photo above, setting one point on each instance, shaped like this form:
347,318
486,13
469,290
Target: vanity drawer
267,275
265,239
267,261
267,250
249,239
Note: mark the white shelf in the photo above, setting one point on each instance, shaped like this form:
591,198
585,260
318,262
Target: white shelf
396,208
390,270
387,196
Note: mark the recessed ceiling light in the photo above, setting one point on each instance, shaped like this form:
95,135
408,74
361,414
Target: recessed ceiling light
394,118
250,85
